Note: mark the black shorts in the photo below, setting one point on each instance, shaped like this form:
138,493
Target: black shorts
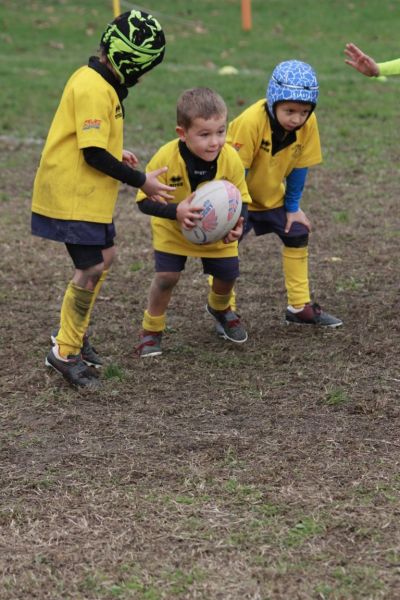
84,256
274,221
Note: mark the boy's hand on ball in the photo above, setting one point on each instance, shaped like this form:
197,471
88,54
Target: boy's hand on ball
186,214
236,233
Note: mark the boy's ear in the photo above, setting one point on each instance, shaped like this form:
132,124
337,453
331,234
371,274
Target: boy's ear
181,133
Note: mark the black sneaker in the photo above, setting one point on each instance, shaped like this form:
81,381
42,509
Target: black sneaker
228,325
74,370
88,352
150,344
312,314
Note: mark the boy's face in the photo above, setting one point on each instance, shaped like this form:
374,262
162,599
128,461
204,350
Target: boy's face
292,115
204,137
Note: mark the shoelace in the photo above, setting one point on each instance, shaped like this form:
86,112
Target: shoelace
232,319
316,307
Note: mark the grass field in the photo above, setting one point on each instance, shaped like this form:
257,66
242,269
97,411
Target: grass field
264,472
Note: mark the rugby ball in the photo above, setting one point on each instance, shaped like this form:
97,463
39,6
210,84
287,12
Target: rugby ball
221,204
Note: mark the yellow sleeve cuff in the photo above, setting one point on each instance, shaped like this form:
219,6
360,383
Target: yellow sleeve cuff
391,67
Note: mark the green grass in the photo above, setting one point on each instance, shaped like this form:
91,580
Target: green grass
46,42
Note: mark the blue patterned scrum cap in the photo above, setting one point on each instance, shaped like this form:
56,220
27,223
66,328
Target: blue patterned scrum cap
134,43
292,81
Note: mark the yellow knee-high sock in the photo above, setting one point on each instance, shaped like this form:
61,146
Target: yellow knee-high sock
74,319
232,301
95,294
156,324
295,269
219,301
97,288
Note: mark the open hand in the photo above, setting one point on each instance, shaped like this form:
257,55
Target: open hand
360,61
154,189
297,217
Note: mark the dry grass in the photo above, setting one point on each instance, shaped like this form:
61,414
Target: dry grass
213,472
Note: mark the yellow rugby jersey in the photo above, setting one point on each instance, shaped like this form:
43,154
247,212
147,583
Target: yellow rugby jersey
251,135
167,234
66,187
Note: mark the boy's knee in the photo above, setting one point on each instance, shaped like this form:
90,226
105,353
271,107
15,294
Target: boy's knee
96,271
296,241
108,257
166,281
88,278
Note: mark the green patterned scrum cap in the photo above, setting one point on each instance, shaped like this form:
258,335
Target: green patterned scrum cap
134,43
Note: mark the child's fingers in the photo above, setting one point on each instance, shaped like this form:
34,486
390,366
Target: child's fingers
163,194
160,171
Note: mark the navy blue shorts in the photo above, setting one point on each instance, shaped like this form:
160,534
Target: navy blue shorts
226,268
274,221
84,240
72,232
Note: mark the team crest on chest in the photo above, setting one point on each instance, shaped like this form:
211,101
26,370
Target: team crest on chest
176,181
297,149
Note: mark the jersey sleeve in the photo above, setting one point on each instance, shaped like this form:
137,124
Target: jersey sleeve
244,139
92,109
311,154
238,176
390,67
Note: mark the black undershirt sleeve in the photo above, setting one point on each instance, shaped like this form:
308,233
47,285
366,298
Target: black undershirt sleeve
156,209
168,211
103,161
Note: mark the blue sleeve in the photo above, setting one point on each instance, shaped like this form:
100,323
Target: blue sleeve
294,189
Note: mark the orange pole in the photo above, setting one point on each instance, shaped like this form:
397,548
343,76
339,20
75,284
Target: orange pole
116,8
246,15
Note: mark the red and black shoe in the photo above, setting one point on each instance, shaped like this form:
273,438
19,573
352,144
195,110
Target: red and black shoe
72,368
312,314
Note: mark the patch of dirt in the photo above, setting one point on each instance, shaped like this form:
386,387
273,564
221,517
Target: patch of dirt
268,470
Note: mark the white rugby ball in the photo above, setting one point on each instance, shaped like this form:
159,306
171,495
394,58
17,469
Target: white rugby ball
221,202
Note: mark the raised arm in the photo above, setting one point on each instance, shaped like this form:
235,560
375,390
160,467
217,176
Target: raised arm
360,61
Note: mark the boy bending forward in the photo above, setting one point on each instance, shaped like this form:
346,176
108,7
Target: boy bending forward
277,140
198,155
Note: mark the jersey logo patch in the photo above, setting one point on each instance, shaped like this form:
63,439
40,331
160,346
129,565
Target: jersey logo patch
237,146
91,124
176,181
265,145
297,150
118,112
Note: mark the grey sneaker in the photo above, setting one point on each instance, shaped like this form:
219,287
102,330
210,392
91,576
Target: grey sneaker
74,370
88,352
150,344
228,325
312,314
